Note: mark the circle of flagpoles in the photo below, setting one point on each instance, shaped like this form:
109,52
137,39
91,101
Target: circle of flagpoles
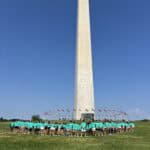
100,114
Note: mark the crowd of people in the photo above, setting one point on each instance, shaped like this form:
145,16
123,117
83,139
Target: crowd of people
72,129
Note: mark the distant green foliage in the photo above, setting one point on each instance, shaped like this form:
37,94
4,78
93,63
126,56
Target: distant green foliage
36,118
3,119
139,140
145,120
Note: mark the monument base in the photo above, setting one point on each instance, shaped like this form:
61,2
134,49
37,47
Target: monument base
87,116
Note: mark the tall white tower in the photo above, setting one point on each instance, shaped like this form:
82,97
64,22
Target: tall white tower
84,91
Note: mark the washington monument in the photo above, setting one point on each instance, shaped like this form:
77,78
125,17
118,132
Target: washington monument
84,91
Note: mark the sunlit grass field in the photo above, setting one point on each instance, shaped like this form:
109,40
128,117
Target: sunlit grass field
139,140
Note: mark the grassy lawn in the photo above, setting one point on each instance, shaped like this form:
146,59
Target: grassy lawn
139,140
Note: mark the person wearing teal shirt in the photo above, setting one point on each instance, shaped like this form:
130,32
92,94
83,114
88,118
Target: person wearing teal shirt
100,125
83,129
73,129
12,126
132,126
83,125
52,129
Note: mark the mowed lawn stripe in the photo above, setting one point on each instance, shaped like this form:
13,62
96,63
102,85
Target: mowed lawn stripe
139,140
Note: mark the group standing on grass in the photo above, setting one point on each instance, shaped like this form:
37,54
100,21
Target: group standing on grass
72,129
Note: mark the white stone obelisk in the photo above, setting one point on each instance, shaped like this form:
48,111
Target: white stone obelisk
84,90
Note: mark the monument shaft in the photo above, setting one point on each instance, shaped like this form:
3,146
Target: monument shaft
84,91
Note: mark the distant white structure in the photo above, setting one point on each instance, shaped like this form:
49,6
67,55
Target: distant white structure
84,91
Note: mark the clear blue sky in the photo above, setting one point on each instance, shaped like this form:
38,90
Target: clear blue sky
37,55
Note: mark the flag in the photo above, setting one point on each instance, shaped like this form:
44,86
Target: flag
125,114
58,110
68,110
46,113
104,110
93,109
99,110
62,110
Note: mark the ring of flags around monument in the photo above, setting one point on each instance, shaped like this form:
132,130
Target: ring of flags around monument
100,114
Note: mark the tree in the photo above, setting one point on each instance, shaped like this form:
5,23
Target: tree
36,118
1,118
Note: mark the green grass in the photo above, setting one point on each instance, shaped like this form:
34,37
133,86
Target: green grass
139,140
